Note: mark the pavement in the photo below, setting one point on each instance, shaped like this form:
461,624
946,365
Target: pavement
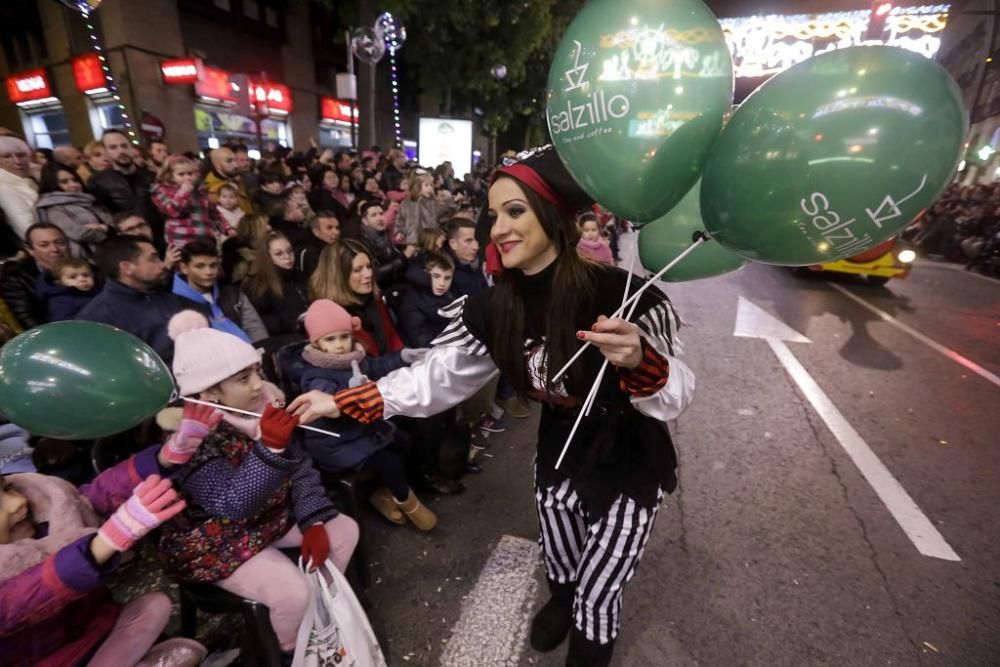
815,477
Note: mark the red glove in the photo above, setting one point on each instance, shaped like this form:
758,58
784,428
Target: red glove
276,427
315,546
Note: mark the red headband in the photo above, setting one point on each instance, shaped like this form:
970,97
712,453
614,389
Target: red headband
533,180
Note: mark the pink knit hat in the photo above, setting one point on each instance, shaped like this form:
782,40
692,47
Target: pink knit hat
325,317
204,357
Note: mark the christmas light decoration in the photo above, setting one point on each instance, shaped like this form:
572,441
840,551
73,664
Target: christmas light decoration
765,45
86,8
394,35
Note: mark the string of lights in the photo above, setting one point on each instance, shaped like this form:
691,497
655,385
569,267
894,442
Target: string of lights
393,43
85,10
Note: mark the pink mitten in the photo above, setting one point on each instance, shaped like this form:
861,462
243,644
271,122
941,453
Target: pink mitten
153,502
196,423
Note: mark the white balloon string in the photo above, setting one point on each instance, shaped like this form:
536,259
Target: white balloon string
254,414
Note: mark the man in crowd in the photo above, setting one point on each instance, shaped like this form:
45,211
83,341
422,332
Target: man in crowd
324,229
342,162
464,250
124,186
45,244
389,263
157,155
18,193
69,156
244,167
392,177
134,298
226,172
130,224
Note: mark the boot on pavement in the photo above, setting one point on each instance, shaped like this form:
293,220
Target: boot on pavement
586,653
515,407
553,621
417,513
383,501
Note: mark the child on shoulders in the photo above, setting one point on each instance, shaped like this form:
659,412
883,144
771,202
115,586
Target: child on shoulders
71,289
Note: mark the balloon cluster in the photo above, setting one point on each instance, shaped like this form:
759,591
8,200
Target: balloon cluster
825,160
370,44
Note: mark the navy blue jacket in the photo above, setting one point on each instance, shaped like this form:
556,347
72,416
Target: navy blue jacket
62,302
419,322
468,279
357,441
143,314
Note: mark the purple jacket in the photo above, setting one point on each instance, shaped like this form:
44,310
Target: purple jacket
57,612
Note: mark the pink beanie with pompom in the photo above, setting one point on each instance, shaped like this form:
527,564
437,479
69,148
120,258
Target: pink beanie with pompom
325,317
204,357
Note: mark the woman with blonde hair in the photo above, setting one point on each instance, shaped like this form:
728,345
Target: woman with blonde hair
97,160
418,211
239,252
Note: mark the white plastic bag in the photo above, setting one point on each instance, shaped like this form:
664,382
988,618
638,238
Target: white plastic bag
335,631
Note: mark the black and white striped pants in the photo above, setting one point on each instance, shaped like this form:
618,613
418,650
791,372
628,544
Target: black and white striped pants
599,553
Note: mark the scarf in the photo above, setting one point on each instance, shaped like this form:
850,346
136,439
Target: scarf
321,359
219,321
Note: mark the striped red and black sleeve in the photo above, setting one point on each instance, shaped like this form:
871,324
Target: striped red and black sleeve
648,377
363,403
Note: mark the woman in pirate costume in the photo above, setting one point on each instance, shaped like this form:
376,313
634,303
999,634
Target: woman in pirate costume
597,509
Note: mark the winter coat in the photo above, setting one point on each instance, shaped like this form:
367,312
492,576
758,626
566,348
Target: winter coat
357,441
378,333
388,262
241,497
62,302
18,281
54,609
15,452
119,193
189,215
597,250
322,199
72,212
231,310
231,218
469,278
213,184
307,252
143,314
238,260
415,215
281,313
419,320
17,200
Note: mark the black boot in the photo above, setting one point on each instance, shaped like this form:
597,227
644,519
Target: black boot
553,621
586,653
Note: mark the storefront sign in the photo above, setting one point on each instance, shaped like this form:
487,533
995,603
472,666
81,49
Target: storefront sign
181,71
337,110
214,84
88,72
272,96
29,86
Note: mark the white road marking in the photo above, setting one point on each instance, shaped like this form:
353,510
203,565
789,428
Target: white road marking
904,510
755,322
927,263
752,321
934,345
492,628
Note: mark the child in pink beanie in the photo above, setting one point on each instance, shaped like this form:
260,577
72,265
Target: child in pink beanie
335,361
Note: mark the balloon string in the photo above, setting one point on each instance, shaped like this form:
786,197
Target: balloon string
592,394
253,414
635,297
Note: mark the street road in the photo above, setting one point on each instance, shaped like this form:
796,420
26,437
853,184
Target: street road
776,549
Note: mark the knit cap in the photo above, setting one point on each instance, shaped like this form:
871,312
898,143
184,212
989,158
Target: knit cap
204,357
325,317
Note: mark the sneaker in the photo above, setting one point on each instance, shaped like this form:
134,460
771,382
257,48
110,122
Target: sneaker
479,440
515,407
491,424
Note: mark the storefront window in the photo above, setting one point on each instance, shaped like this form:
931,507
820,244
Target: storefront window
48,129
110,116
217,124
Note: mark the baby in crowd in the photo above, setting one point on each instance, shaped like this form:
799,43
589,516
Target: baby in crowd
71,289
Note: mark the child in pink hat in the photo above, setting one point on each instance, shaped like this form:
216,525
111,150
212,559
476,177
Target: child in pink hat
335,361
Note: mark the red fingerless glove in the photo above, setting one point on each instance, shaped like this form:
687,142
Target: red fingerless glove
276,427
315,546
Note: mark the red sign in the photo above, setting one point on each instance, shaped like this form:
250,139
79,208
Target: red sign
88,71
28,86
272,96
215,84
181,70
152,127
334,109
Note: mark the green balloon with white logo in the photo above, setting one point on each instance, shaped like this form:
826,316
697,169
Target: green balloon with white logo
637,94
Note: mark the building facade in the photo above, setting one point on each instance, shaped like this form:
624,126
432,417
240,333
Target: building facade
202,72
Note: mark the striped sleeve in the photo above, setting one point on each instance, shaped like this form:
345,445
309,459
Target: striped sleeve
649,376
363,403
662,386
659,326
457,334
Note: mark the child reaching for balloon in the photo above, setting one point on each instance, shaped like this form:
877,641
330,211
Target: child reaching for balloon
56,555
334,361
250,490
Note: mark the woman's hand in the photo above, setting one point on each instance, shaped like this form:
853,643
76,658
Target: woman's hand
618,340
312,405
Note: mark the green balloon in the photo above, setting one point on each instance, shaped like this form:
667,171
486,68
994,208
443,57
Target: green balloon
80,380
637,93
833,156
661,241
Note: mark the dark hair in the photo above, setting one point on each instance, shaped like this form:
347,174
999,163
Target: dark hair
113,131
440,260
328,215
113,251
49,181
122,216
271,176
317,173
572,288
452,226
240,148
367,204
199,248
38,226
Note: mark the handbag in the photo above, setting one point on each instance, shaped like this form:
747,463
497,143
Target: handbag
335,631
